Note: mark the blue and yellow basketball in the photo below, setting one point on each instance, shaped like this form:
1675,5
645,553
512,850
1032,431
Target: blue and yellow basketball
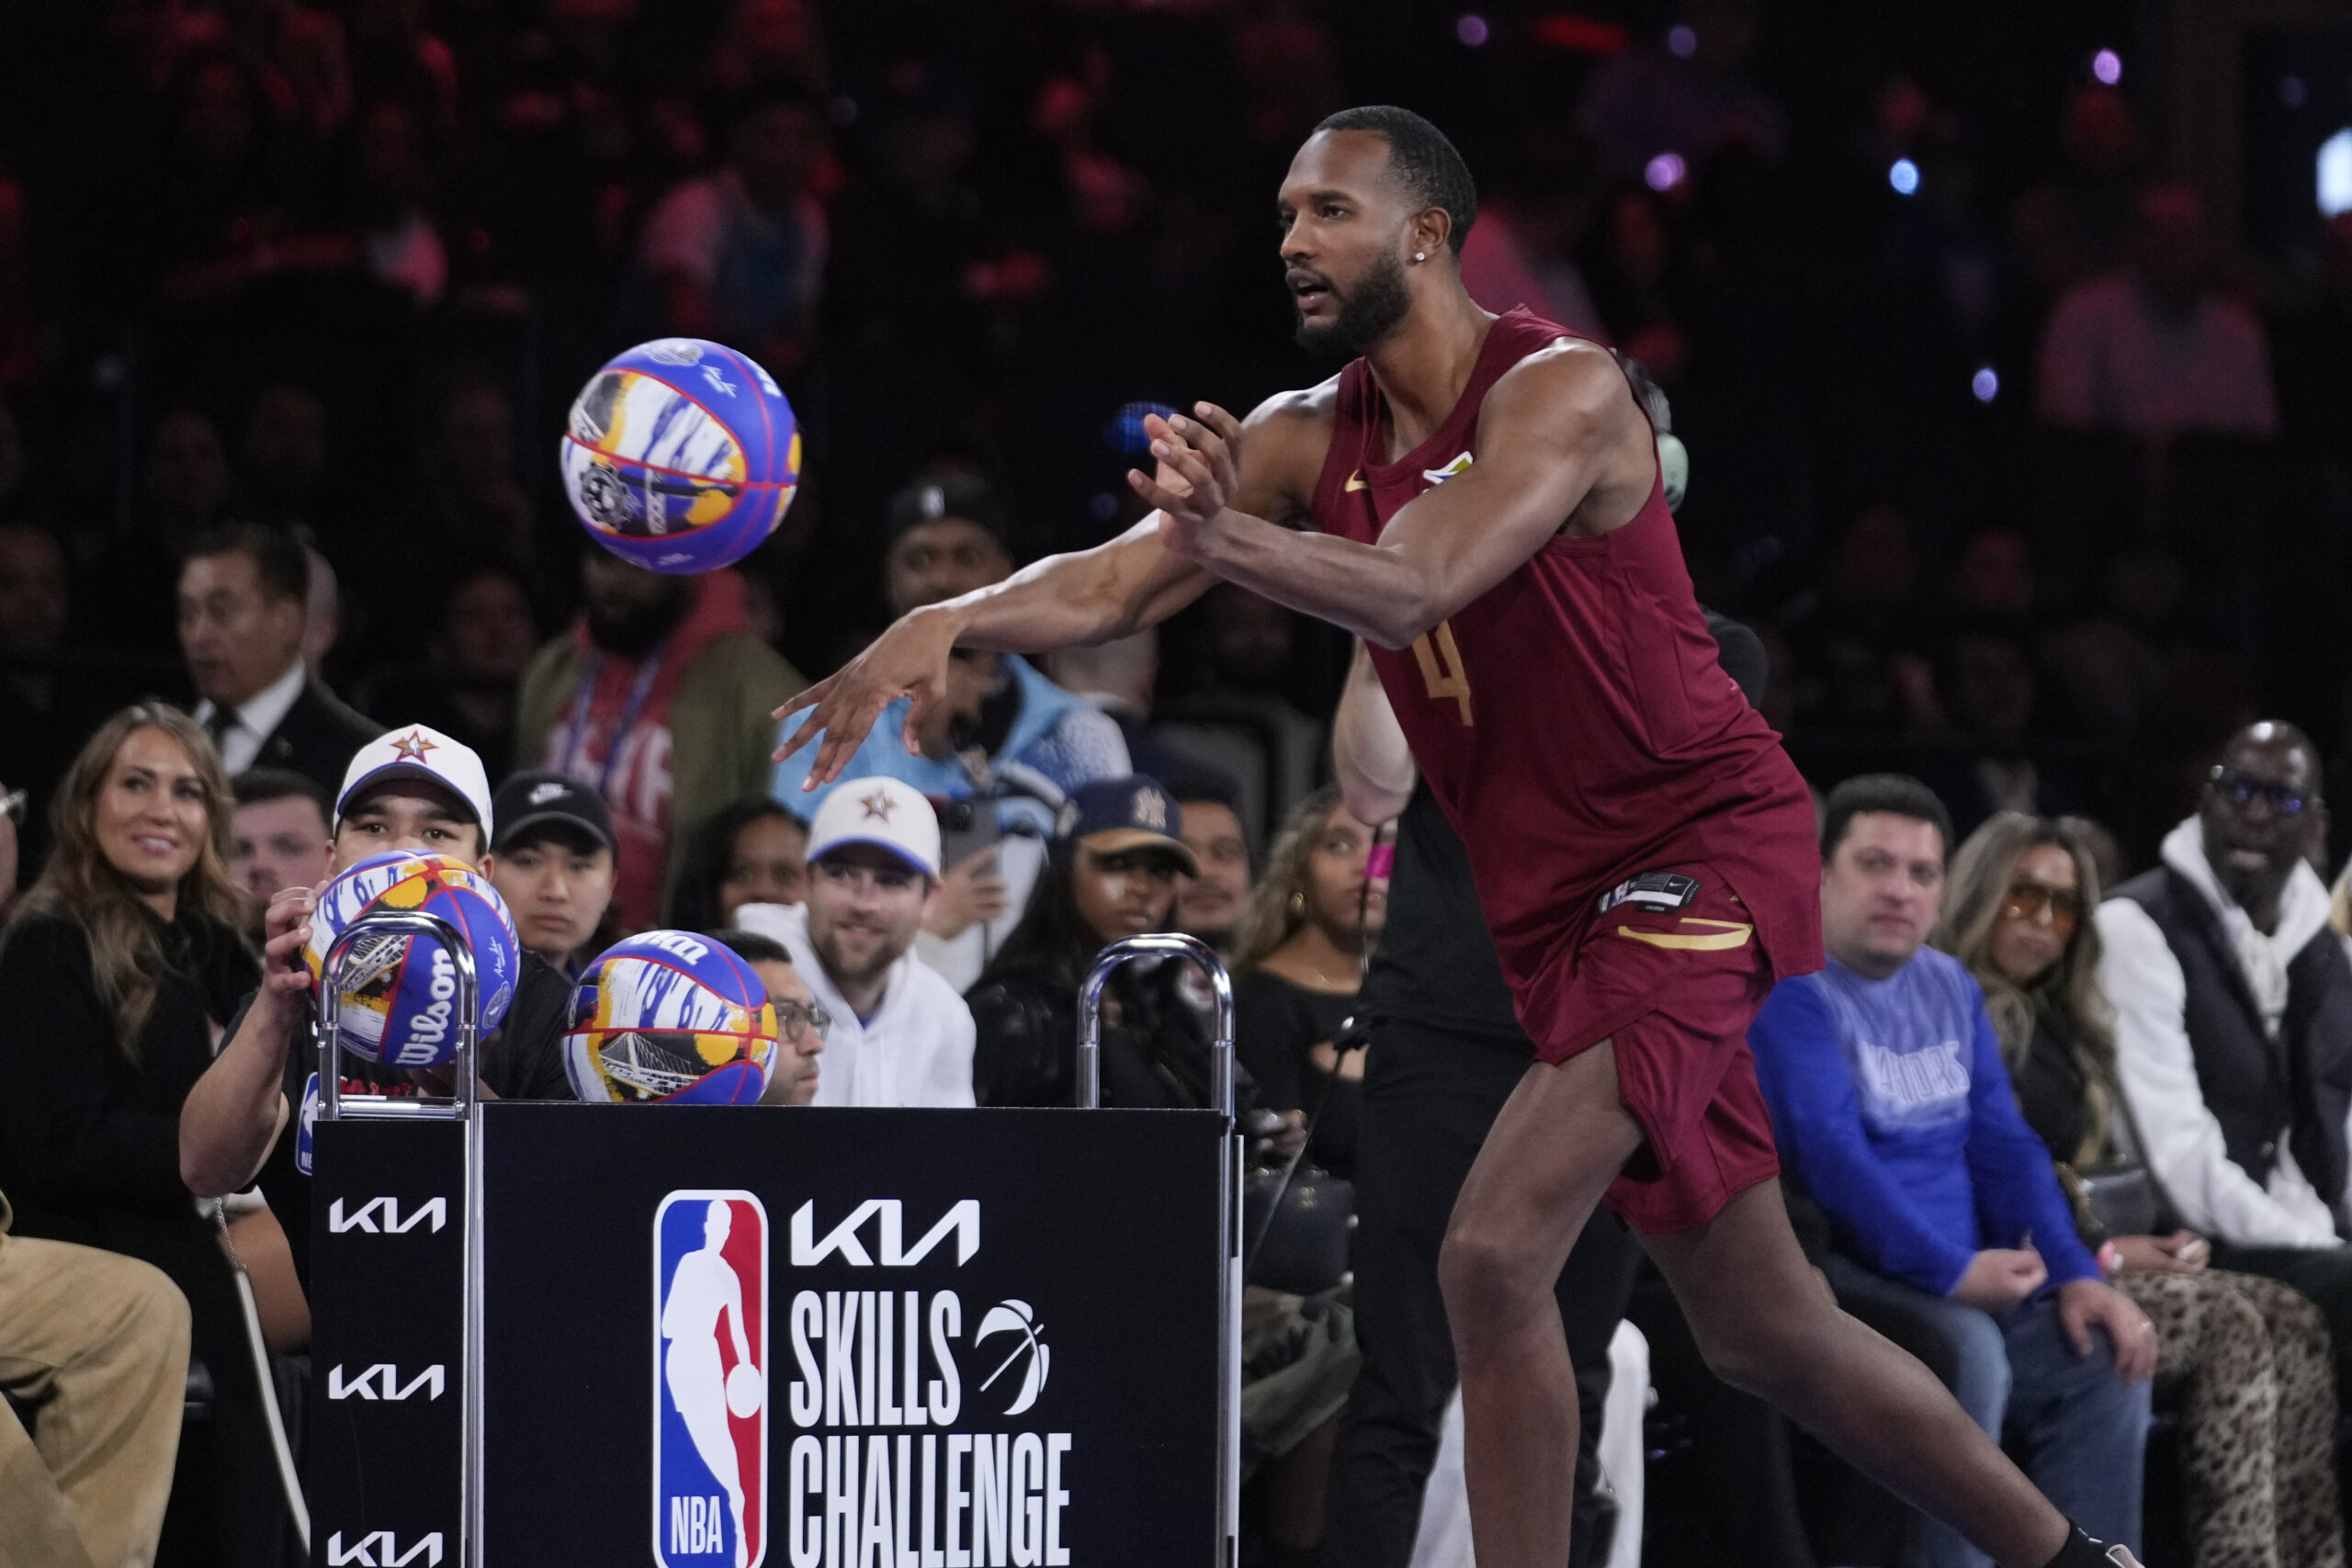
682,455
669,1018
398,1003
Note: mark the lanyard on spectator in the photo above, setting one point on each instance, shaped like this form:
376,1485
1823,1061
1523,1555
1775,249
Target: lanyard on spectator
576,732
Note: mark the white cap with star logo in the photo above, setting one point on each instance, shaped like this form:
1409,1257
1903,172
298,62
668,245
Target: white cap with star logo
889,813
417,751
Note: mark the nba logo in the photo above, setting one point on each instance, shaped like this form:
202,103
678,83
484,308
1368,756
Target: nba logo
710,1375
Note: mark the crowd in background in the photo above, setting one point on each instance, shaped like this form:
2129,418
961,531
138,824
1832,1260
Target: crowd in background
2030,482
2033,478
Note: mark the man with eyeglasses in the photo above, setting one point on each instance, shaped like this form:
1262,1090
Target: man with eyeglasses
800,1020
898,1034
2233,1024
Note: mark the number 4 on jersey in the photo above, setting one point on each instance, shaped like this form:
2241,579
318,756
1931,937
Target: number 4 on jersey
1440,663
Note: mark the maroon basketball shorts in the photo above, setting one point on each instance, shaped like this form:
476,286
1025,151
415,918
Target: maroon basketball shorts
1676,988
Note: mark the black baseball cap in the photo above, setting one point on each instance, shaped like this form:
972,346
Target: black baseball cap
963,495
541,797
1132,812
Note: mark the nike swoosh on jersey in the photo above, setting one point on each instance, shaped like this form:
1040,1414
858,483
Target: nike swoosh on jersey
1355,482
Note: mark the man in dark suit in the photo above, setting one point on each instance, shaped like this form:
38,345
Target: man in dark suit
241,601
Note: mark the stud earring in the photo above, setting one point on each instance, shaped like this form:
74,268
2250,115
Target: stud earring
1420,255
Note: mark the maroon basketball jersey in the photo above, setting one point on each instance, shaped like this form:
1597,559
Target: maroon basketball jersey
1574,722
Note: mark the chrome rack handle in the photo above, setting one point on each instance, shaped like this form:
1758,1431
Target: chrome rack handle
1226,1548
409,923
1167,944
464,1106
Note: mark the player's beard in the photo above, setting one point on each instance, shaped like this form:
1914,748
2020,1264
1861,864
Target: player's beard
1368,312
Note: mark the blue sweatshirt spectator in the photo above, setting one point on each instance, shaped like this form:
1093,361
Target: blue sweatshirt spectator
1891,1104
1890,1098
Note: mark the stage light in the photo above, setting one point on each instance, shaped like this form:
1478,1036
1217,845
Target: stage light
1664,172
1682,42
1903,176
1471,30
2107,66
2335,174
1986,384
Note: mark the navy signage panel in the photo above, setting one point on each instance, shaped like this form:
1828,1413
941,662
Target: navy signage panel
716,1337
386,1410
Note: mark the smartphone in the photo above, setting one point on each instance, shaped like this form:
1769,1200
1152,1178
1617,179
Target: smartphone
966,827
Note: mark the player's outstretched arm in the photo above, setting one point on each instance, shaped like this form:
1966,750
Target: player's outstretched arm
1060,601
1064,600
1558,427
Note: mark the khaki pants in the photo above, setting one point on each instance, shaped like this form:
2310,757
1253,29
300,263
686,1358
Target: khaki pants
99,1343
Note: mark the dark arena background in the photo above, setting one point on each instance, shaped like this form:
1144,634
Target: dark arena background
2010,345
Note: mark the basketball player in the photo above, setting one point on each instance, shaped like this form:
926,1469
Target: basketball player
1489,515
704,1286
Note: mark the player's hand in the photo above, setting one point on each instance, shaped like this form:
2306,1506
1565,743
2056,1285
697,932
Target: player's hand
286,931
908,661
2000,1277
2086,1304
1199,469
972,891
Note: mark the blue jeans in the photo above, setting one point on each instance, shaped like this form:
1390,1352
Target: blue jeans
2080,1431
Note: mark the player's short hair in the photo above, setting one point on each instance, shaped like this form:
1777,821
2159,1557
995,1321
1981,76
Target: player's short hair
259,786
750,946
280,566
1428,163
1897,794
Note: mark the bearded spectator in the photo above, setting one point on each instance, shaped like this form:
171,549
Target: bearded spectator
663,698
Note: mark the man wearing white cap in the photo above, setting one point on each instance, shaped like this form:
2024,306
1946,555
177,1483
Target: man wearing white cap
900,1035
412,788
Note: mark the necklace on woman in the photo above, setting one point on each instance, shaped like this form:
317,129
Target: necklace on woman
1327,982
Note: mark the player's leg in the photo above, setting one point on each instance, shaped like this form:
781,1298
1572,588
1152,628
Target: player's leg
1429,1098
1551,1154
1766,1323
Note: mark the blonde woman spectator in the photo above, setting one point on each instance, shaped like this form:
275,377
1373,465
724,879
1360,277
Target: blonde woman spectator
2248,1354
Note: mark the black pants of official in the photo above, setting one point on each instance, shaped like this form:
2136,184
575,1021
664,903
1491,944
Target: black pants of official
1429,1098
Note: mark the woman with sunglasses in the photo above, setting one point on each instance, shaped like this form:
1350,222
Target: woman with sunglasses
2248,1356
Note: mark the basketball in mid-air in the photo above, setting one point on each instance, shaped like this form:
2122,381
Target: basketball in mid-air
669,1018
680,456
399,993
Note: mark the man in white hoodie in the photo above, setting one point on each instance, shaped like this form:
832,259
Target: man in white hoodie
900,1035
2233,1024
